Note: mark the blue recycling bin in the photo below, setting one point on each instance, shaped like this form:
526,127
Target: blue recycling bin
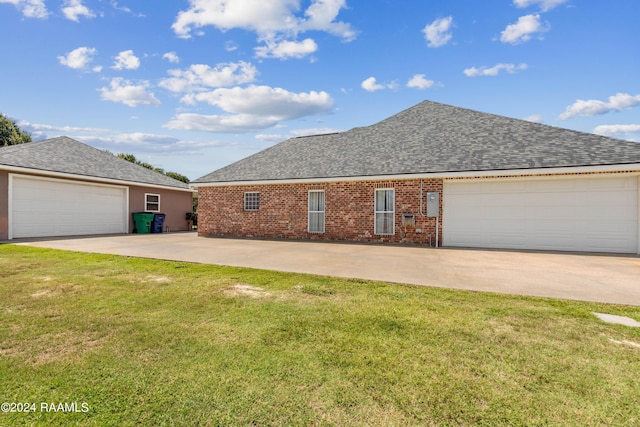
158,223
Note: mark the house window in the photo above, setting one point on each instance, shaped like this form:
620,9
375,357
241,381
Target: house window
384,211
316,211
251,201
151,202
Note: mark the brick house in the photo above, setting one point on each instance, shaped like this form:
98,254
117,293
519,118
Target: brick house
435,173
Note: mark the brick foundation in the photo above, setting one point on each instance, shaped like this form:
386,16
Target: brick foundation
349,211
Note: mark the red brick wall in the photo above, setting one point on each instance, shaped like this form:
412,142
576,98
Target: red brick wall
349,211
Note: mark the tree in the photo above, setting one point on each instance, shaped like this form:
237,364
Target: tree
178,176
128,157
175,175
10,133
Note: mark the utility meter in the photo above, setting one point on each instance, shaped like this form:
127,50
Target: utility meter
433,204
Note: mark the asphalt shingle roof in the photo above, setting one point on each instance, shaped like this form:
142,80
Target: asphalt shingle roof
429,138
66,155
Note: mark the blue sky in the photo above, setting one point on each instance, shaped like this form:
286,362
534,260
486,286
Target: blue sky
194,85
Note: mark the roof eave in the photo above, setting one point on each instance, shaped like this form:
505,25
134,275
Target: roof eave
20,169
614,168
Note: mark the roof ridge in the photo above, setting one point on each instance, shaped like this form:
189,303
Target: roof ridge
512,118
430,137
315,135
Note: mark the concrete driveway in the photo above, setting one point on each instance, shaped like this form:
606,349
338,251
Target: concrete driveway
586,277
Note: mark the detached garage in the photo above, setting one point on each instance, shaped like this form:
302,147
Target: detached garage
61,187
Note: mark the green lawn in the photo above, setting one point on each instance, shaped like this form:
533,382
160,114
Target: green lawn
145,342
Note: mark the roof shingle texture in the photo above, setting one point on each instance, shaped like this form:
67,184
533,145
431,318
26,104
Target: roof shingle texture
66,155
429,138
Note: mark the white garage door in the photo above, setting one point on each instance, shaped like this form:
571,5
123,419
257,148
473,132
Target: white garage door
47,207
588,214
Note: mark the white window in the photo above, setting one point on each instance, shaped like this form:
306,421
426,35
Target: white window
316,211
151,202
384,211
251,201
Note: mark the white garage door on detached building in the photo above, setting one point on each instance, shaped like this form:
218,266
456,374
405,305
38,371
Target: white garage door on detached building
42,207
595,214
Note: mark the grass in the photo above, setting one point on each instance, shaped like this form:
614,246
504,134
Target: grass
147,342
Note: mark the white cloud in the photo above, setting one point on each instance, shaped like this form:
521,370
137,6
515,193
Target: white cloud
121,90
419,81
236,123
264,17
35,127
535,118
230,46
495,70
30,8
593,107
171,57
43,131
126,60
73,9
438,32
266,101
200,77
321,17
286,49
140,137
371,85
125,9
137,142
147,143
545,5
617,130
251,109
79,58
271,138
522,30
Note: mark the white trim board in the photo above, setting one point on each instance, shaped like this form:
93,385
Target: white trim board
97,179
633,168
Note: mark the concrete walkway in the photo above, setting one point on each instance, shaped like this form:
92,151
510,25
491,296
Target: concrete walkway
586,277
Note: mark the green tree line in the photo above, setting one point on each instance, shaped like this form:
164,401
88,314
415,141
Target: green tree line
131,158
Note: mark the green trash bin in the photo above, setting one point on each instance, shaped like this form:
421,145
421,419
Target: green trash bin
142,222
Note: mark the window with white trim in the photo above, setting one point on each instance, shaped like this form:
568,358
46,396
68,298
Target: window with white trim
316,211
151,202
251,201
384,211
